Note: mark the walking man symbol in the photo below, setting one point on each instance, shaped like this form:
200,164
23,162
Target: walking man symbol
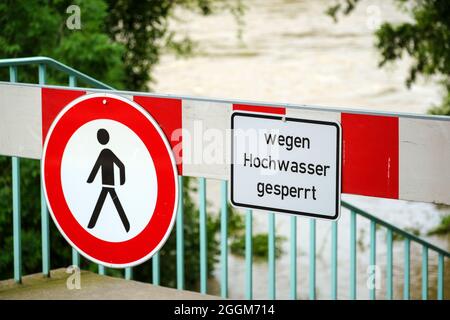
106,161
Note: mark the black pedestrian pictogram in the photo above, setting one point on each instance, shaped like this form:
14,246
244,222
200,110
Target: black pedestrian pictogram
106,161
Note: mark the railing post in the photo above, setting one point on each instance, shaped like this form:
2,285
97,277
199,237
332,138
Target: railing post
45,226
248,255
373,255
352,255
271,255
75,257
155,269
45,230
128,273
75,254
72,81
180,237
334,259
17,241
101,270
424,273
13,74
203,237
293,258
440,278
224,240
406,274
389,272
312,259
16,205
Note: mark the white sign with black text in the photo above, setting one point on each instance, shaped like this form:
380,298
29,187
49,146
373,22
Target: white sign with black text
286,165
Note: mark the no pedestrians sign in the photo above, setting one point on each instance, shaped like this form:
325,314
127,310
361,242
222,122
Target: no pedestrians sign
286,165
110,180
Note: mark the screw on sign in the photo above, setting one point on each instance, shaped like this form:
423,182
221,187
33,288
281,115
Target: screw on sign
110,180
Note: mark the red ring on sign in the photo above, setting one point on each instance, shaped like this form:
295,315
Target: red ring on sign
152,237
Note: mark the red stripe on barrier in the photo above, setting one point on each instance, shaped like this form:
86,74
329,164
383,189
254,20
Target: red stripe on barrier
53,101
262,109
370,150
167,112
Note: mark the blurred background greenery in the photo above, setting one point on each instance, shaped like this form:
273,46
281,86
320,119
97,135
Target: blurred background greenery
425,38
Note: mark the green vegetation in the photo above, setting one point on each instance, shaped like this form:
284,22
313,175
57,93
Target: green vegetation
443,228
191,246
399,237
414,231
425,39
260,241
260,246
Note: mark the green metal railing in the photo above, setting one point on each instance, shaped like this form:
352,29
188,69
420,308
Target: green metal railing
44,62
74,77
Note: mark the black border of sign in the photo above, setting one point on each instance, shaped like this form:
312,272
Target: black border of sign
282,118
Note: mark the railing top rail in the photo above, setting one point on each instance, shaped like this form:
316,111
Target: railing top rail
404,233
56,65
255,103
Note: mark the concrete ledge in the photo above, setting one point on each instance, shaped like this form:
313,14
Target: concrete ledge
93,287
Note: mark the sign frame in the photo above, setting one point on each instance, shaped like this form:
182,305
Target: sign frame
283,118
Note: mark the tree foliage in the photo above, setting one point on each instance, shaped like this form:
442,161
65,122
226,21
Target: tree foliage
425,39
136,24
38,28
120,41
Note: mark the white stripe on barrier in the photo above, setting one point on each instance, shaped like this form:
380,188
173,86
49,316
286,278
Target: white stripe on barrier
424,166
313,115
21,121
205,139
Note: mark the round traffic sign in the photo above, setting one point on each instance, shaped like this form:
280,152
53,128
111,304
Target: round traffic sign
110,180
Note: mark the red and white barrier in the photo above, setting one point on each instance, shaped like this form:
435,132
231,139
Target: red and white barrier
388,156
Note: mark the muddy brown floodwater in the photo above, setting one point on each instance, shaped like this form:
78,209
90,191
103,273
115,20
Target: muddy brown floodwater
292,52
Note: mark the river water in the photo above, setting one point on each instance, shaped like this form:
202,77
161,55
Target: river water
290,51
